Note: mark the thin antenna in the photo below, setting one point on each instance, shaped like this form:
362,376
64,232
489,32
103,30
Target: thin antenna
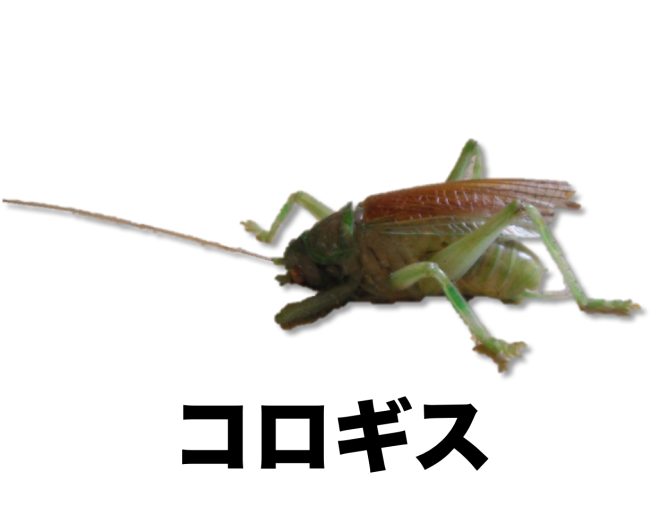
116,220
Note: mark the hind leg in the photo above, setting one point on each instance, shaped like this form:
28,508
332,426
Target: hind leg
584,302
558,294
458,258
470,164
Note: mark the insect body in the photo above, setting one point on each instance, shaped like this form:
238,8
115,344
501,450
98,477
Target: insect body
459,239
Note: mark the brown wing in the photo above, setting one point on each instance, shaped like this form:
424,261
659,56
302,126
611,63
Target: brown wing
470,198
458,208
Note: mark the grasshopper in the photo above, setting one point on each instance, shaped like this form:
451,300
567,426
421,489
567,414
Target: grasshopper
461,239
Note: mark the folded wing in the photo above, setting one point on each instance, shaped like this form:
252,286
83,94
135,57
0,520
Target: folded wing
457,208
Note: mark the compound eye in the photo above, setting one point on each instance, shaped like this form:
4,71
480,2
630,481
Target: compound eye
296,275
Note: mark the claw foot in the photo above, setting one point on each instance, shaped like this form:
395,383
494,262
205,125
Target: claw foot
601,306
253,227
500,351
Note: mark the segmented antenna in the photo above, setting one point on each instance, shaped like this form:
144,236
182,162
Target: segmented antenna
116,220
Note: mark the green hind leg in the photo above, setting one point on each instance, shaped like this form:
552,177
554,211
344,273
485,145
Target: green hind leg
558,294
585,303
313,206
470,164
458,258
453,262
499,351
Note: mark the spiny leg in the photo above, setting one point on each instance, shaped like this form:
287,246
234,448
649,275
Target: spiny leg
313,206
458,258
454,261
500,351
470,164
585,303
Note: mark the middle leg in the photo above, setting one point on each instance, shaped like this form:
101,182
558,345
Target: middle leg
499,351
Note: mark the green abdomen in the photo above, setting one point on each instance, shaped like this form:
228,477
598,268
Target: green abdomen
505,271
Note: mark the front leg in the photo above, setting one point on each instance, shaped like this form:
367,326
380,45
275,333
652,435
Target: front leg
313,308
313,206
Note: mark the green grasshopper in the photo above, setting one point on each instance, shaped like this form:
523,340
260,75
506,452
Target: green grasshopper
460,239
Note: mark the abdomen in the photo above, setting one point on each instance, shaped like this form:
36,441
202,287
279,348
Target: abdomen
505,271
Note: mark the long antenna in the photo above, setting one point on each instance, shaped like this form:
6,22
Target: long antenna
116,220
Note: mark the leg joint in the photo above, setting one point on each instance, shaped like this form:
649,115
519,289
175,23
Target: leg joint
295,196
